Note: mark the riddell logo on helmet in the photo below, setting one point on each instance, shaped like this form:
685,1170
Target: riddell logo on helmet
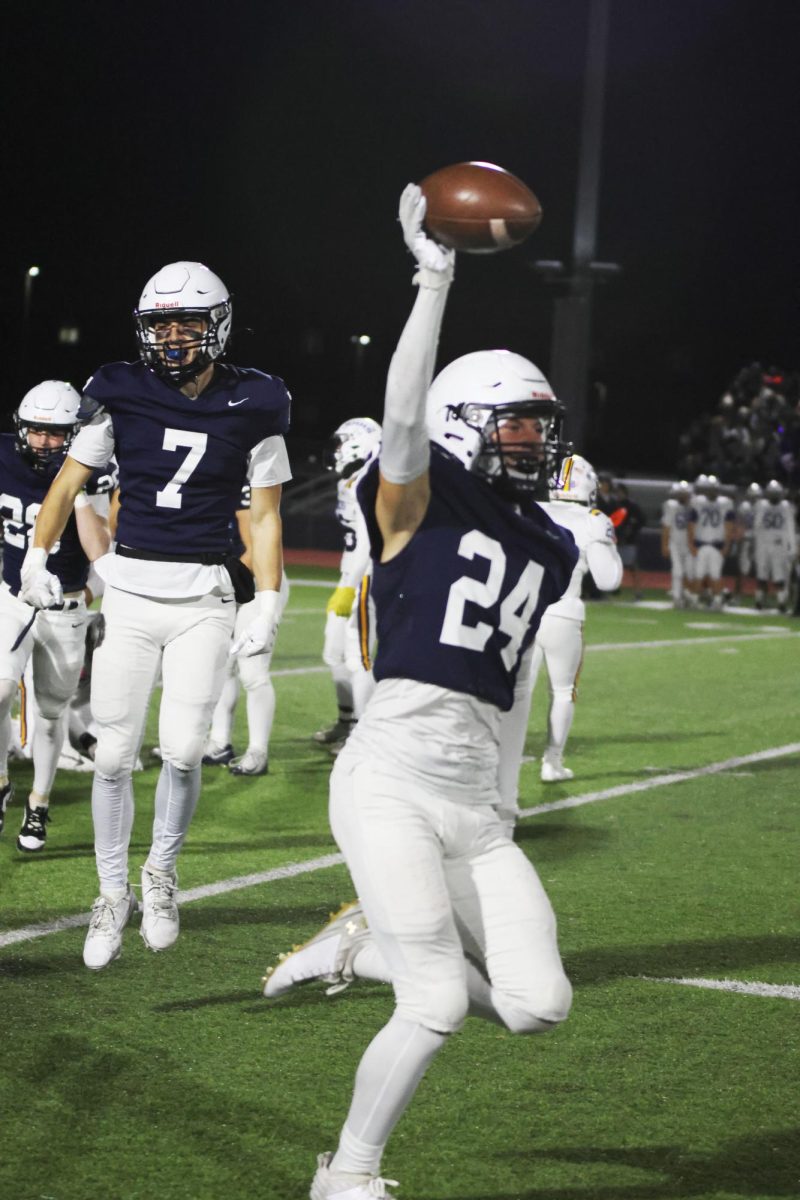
540,395
167,304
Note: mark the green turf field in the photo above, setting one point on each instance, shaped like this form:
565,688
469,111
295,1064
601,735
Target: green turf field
169,1076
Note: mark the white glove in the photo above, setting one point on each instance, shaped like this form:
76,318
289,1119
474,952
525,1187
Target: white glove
259,636
435,262
39,586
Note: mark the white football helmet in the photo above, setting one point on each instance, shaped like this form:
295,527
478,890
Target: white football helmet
774,491
681,488
577,481
471,400
754,491
351,445
190,290
51,406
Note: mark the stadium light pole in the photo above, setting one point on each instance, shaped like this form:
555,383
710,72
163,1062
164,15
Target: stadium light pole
570,351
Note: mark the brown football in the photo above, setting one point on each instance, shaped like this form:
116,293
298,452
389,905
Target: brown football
479,208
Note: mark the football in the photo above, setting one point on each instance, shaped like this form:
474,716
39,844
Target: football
479,208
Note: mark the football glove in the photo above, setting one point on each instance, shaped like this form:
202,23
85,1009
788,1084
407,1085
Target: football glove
259,636
39,586
341,601
435,262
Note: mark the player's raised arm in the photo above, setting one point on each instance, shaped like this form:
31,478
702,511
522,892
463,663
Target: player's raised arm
404,489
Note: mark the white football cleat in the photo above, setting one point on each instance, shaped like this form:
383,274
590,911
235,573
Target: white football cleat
335,1185
554,771
108,919
328,955
160,921
252,762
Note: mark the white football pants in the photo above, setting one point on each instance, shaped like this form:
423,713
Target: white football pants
682,571
54,645
254,673
708,562
772,564
359,646
559,645
190,640
439,879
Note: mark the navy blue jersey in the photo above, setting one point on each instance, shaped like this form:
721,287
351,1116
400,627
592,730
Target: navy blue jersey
237,546
22,491
182,462
460,604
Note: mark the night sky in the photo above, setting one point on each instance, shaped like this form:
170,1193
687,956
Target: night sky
271,141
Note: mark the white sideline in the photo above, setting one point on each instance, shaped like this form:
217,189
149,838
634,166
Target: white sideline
786,991
240,882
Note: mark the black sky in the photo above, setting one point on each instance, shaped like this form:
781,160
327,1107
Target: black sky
272,141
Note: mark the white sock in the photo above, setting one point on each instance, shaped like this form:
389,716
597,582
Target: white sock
112,814
222,721
344,691
559,722
177,793
260,715
48,738
387,1077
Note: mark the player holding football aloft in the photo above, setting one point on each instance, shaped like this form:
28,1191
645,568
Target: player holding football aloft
775,543
711,533
46,423
188,430
464,565
352,445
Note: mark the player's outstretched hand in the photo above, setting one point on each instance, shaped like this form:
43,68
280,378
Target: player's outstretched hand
259,636
428,253
39,586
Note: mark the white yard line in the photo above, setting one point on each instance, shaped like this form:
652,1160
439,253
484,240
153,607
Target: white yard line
644,785
785,991
240,882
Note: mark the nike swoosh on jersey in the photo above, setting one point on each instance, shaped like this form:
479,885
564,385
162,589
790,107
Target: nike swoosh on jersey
233,403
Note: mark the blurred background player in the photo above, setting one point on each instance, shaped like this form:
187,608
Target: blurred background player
775,544
675,518
745,513
711,533
352,445
559,641
254,674
53,640
189,431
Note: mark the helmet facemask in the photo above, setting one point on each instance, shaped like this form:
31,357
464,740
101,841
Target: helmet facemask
520,444
42,459
169,358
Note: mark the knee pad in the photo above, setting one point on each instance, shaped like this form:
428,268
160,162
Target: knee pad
542,1008
441,1006
185,754
50,707
113,757
254,672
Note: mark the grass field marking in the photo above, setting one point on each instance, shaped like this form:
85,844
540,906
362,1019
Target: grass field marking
644,785
693,641
12,936
785,991
321,583
667,642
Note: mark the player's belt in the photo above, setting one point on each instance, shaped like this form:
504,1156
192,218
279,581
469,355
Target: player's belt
206,558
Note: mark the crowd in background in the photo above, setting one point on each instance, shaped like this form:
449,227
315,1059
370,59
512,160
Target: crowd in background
754,434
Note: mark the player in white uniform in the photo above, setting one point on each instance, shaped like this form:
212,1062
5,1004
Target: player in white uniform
50,643
352,445
775,543
711,533
254,674
188,429
744,534
559,642
465,563
675,517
